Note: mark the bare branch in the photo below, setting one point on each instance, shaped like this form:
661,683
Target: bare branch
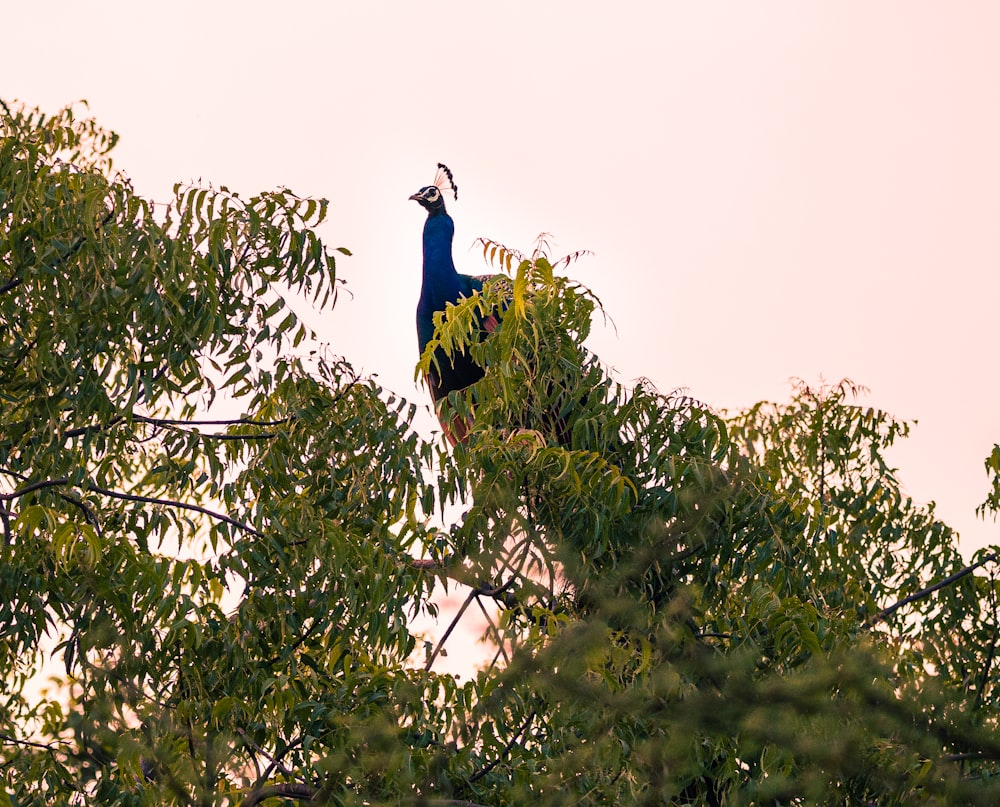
454,623
496,630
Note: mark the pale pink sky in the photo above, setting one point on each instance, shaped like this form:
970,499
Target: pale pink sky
771,189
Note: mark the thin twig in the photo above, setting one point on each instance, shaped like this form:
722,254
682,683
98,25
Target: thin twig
494,628
496,657
451,627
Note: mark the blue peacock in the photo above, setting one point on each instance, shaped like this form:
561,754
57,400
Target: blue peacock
442,284
450,372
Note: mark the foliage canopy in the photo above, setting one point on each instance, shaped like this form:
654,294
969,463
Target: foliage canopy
689,608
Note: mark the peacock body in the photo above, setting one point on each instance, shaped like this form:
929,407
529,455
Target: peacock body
443,284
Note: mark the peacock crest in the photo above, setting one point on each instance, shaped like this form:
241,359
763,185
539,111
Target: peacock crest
444,181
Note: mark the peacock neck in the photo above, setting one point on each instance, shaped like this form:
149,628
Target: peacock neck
441,282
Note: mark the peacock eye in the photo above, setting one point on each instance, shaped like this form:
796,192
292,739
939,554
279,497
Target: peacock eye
432,195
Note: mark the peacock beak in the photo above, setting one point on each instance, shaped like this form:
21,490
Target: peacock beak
417,196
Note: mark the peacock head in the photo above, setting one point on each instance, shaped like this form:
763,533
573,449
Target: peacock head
431,197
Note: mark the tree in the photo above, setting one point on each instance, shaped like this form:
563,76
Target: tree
688,608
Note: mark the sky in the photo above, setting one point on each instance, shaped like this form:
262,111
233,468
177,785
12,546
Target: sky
770,190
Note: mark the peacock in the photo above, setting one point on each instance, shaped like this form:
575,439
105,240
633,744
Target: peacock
442,284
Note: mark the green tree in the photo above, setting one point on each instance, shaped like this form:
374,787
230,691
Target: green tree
688,608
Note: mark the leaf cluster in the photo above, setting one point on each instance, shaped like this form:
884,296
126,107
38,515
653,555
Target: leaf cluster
687,607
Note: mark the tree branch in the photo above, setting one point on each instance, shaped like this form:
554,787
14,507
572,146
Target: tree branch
425,802
881,616
451,627
17,278
288,791
460,574
47,483
186,426
50,747
274,760
984,676
131,497
15,281
485,770
223,422
308,793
